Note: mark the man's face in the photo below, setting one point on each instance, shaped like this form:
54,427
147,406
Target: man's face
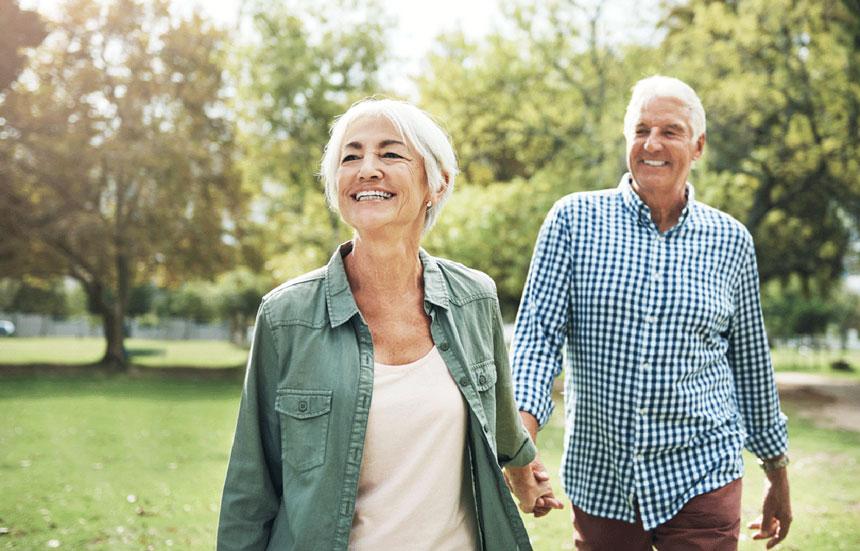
661,149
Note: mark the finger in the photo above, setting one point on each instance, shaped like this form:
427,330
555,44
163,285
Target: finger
541,476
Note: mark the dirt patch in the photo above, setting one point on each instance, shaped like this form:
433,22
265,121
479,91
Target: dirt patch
828,402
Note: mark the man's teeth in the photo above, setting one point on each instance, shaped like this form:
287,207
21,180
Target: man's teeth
654,163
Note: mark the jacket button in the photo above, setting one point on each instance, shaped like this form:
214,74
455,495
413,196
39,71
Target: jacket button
443,346
303,406
464,381
482,380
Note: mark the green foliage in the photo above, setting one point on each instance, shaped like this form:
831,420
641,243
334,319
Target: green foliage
493,229
779,82
32,296
544,94
305,67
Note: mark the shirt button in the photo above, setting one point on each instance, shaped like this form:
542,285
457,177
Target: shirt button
642,411
639,457
464,381
645,365
656,276
303,406
650,319
443,346
482,380
486,428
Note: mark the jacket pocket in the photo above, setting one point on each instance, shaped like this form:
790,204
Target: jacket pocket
304,426
485,375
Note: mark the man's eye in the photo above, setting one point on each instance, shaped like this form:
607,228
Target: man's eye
392,155
642,132
349,158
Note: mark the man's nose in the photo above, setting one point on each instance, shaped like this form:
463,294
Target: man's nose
652,142
370,167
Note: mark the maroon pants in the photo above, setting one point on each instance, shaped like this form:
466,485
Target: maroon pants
709,522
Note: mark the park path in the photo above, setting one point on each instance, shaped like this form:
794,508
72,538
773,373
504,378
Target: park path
829,401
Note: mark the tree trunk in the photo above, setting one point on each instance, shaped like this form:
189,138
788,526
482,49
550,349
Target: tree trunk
115,355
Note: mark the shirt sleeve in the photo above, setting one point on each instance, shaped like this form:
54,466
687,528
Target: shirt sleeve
252,489
515,446
749,357
543,318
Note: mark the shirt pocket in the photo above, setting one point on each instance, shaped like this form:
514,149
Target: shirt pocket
484,374
304,426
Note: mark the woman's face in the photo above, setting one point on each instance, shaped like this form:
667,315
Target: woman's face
381,181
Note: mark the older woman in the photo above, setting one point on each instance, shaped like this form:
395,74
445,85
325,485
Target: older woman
377,405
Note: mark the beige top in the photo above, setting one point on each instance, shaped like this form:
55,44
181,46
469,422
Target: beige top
415,489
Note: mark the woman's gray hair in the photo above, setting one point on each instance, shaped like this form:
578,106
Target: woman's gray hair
659,86
419,129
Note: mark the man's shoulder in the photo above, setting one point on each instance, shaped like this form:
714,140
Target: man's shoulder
711,218
576,204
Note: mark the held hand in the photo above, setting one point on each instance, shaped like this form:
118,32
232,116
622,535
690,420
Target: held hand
530,484
776,510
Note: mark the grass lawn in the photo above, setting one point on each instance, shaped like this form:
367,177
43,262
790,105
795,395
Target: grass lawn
155,353
118,463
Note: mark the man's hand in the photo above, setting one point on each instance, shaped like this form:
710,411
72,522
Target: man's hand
530,484
776,510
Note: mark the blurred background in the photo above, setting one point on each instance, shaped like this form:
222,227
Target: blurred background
158,169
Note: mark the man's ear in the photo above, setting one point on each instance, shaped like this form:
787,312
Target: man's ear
700,147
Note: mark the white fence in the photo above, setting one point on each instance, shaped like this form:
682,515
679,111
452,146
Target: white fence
34,325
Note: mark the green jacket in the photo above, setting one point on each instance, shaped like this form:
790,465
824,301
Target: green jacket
293,472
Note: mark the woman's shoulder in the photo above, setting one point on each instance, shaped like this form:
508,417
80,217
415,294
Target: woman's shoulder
463,281
305,292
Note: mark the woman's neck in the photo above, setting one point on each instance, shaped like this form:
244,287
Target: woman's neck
384,267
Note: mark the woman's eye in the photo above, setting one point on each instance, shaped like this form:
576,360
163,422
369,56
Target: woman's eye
392,155
349,158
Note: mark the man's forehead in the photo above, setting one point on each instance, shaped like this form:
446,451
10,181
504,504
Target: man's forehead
665,111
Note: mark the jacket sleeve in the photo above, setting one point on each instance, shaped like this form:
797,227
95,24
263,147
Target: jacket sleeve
515,446
252,490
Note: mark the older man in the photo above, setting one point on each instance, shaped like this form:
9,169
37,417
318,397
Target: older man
668,369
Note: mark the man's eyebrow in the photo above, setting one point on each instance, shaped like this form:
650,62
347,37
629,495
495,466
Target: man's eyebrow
680,127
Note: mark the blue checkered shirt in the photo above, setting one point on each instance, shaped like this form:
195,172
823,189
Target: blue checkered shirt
668,369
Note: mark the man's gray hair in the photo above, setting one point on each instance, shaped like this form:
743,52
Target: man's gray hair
659,86
417,127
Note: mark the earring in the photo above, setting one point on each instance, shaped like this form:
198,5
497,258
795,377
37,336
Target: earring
429,204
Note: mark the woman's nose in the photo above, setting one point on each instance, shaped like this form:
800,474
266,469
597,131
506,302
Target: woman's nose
370,167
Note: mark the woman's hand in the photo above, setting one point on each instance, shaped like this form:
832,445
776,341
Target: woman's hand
530,484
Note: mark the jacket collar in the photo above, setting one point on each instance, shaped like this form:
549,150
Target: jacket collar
341,303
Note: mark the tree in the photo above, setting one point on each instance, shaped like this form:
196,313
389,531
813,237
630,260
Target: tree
238,294
304,67
779,81
120,156
18,29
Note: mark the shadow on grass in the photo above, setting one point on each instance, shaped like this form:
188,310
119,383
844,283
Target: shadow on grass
144,352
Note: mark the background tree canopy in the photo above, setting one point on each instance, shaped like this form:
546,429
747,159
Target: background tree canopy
139,148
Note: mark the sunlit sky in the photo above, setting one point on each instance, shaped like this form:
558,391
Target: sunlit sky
421,21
